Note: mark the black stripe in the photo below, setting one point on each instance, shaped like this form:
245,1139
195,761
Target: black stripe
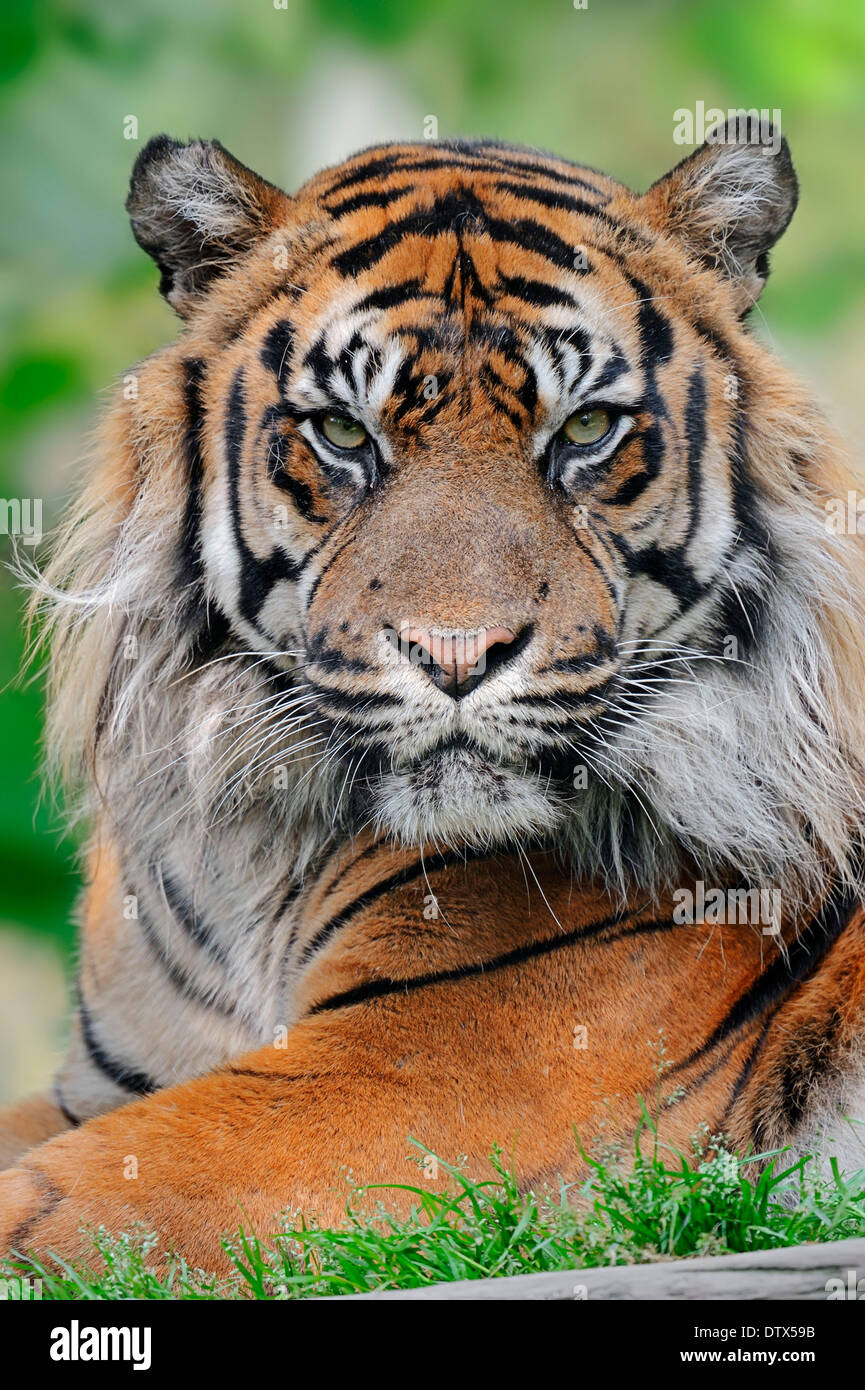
380,988
390,295
208,997
348,700
374,198
288,899
445,216
300,494
276,350
569,181
318,361
488,381
526,395
465,155
536,167
670,568
745,1074
326,566
186,916
381,165
605,650
656,333
277,1076
257,577
743,613
695,435
190,570
575,700
450,215
277,472
608,581
64,1108
550,198
52,1195
538,293
318,653
126,1077
208,625
352,864
631,489
617,365
533,236
398,880
776,982
811,1059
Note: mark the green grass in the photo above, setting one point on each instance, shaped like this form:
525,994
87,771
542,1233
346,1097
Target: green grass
659,1205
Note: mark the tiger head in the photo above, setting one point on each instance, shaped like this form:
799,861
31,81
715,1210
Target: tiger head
467,505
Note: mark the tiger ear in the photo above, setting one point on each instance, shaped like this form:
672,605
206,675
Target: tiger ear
195,208
730,201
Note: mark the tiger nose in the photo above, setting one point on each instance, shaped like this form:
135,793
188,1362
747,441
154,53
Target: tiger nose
457,661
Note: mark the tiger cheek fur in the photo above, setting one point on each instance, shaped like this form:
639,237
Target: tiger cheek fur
455,591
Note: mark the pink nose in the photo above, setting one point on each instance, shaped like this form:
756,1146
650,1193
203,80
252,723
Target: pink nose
458,658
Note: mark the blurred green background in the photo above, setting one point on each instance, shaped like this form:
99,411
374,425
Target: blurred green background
288,89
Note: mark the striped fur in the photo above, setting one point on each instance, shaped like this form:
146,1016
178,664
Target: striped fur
332,903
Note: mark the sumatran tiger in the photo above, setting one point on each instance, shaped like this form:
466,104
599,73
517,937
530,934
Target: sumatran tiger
455,647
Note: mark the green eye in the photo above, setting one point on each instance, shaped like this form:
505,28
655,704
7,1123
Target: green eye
343,432
587,426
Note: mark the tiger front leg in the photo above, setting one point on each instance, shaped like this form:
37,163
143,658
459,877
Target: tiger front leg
198,1161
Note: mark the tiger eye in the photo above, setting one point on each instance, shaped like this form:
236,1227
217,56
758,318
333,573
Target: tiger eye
586,426
343,432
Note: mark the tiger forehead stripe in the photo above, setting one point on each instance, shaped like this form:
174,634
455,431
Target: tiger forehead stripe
457,213
475,158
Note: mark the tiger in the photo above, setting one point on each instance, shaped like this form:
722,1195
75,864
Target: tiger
452,603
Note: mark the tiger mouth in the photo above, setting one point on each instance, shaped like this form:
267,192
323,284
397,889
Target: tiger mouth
462,750
460,760
454,743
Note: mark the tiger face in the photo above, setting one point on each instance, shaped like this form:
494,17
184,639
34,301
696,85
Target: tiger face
475,446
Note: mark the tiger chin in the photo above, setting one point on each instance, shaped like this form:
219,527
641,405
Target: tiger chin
460,795
450,599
